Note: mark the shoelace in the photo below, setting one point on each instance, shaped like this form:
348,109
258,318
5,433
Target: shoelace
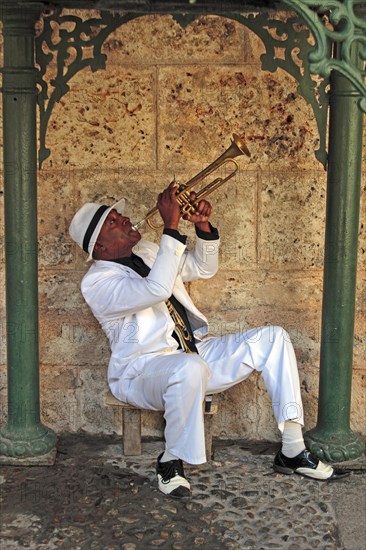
171,469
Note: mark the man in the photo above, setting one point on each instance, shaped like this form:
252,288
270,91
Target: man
162,358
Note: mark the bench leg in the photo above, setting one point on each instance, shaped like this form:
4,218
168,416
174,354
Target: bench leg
208,436
131,432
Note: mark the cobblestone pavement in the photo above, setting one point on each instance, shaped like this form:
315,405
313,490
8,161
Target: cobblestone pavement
94,497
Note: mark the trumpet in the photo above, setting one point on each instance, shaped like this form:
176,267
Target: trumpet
189,206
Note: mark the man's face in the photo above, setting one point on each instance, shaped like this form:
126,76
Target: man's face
116,238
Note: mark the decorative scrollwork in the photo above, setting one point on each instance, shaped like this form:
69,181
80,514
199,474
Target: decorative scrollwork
65,39
336,21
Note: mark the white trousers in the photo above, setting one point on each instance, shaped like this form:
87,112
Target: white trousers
177,383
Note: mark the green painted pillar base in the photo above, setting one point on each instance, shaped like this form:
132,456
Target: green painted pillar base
36,445
334,446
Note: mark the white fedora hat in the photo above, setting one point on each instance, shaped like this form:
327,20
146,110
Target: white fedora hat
88,221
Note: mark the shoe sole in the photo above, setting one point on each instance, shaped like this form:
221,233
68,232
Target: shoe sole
283,470
185,497
288,471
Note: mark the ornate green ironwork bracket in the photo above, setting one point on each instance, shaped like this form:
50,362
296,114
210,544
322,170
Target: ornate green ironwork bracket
341,21
288,47
66,39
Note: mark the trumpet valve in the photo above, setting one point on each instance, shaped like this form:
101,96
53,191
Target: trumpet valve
186,206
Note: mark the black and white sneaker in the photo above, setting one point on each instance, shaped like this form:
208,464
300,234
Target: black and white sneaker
171,478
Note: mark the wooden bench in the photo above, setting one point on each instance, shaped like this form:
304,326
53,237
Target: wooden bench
131,424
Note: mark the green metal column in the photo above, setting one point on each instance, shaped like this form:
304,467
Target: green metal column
332,438
24,436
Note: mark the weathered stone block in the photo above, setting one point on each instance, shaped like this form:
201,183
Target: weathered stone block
105,120
234,213
2,319
362,235
201,106
292,220
358,401
139,189
56,206
233,290
153,424
59,377
59,410
267,428
3,392
359,350
70,300
72,340
155,39
309,384
239,412
93,415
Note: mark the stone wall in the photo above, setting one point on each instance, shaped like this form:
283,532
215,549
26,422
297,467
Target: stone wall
166,106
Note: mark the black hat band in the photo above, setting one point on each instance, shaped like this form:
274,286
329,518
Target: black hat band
93,224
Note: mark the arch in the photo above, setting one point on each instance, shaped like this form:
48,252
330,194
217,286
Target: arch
274,33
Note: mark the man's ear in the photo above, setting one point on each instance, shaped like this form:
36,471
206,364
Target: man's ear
98,247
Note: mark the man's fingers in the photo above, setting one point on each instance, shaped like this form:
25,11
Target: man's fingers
173,185
204,208
168,193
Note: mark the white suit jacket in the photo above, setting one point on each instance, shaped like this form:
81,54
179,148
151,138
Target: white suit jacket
131,309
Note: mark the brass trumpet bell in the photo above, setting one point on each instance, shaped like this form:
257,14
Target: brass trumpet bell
187,206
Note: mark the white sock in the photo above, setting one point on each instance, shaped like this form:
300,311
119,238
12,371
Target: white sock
292,439
168,456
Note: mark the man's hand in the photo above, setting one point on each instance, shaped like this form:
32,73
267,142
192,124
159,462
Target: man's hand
202,214
168,206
